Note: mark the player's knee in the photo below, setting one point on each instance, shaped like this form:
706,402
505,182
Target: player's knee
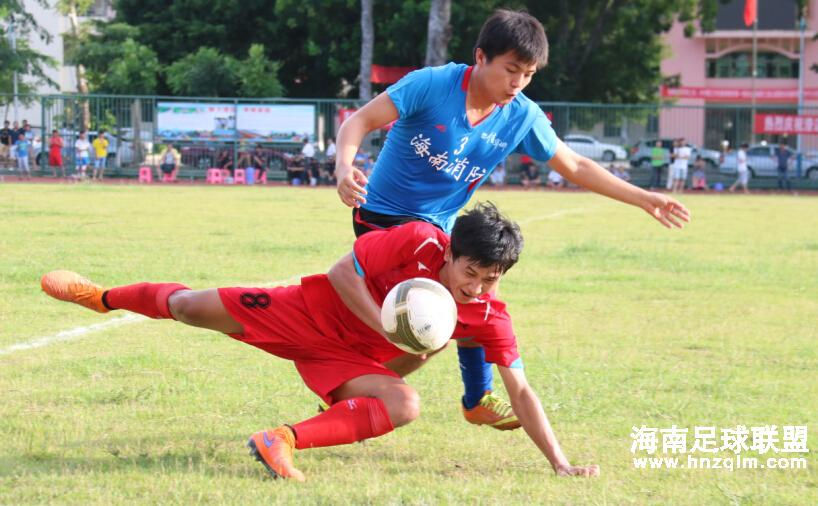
184,307
403,405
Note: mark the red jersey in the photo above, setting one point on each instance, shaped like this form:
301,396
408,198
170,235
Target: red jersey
388,257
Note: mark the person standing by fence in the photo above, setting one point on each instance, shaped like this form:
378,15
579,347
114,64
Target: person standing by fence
741,169
657,161
55,145
782,156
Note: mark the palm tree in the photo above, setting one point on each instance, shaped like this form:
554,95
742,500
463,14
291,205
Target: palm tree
367,43
439,32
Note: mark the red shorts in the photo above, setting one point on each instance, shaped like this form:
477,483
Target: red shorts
55,159
277,321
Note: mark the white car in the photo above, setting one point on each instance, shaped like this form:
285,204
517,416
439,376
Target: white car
761,162
586,145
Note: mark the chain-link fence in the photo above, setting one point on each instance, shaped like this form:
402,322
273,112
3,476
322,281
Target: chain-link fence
615,135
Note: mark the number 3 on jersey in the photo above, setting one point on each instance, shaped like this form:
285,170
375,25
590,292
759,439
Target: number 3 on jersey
463,142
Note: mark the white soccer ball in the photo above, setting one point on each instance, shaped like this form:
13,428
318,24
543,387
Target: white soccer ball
419,315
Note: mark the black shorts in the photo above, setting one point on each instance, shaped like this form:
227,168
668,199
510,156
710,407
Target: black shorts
167,168
364,221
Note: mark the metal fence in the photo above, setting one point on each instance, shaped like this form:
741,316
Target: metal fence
620,134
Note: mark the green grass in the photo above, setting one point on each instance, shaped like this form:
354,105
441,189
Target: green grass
620,323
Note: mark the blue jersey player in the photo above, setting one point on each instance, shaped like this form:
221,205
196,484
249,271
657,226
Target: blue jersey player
455,123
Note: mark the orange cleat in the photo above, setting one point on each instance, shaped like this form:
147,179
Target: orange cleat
71,287
492,411
274,449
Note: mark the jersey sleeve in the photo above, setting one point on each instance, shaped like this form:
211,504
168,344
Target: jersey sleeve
541,141
380,251
413,92
489,326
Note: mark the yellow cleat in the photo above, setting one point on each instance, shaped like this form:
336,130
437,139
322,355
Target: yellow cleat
71,287
492,411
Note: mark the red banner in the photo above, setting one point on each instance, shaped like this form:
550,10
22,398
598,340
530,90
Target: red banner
343,114
388,75
785,124
739,94
750,12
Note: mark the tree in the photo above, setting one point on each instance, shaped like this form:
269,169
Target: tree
258,75
367,43
114,61
205,73
72,9
439,32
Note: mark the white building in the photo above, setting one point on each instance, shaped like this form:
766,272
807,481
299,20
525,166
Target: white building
65,77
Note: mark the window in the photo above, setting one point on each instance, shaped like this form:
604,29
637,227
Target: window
770,65
653,124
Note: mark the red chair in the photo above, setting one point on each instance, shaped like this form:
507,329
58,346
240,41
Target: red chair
225,175
214,176
261,177
145,174
239,177
169,178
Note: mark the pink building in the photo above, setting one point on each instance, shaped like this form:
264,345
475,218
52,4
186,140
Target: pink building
711,73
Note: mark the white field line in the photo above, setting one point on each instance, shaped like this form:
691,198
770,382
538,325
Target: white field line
553,216
78,332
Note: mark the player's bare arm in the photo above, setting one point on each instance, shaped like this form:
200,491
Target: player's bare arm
353,291
530,412
378,112
588,174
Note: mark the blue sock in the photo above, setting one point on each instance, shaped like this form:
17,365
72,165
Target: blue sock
476,374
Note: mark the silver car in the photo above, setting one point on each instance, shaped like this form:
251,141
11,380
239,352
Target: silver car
762,162
588,146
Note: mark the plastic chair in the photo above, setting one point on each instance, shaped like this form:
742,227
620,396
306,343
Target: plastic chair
261,177
169,178
239,176
145,174
214,176
225,175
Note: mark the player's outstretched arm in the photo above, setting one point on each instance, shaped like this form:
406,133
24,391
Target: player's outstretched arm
351,287
378,112
588,174
529,411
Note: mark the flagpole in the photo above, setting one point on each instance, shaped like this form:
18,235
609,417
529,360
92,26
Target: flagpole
753,82
802,25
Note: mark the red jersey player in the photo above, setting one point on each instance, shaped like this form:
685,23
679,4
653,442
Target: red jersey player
329,326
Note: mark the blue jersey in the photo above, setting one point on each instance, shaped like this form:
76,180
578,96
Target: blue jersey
434,159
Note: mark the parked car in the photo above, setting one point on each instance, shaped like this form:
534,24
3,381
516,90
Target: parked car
640,153
588,146
761,162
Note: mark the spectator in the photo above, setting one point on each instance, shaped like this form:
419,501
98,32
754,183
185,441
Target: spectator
259,162
21,147
498,176
555,180
55,145
699,179
5,143
742,169
529,172
82,147
658,160
331,151
19,130
619,172
225,161
308,160
100,154
782,156
680,161
169,163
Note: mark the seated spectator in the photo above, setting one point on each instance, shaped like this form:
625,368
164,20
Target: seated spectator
498,176
699,179
529,172
620,172
169,162
258,162
225,160
555,180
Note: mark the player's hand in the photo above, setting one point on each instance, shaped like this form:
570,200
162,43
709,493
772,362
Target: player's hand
584,471
351,182
666,210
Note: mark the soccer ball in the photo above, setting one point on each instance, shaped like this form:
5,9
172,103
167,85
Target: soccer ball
419,315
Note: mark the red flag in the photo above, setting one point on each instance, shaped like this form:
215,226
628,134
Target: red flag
750,12
388,75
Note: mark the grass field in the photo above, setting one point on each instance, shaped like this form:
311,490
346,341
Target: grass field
621,323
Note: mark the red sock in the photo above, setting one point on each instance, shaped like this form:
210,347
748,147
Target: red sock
345,422
149,299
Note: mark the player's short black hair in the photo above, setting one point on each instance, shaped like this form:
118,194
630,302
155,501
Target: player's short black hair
487,237
518,31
